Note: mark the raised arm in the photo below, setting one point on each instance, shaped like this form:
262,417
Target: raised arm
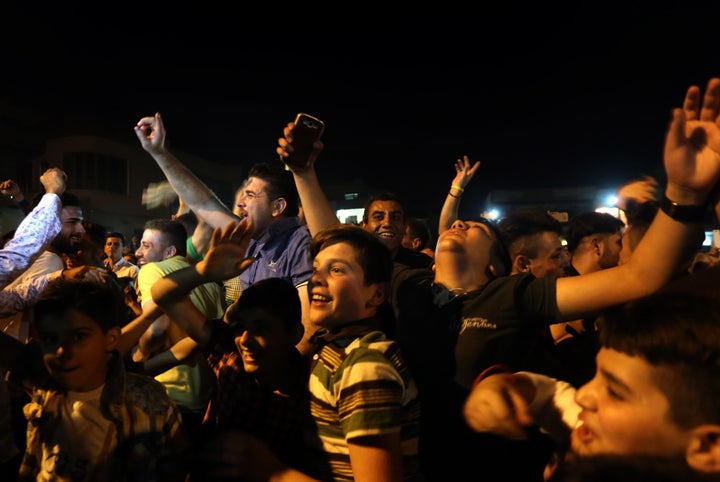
507,404
224,260
692,165
464,172
318,212
151,133
36,230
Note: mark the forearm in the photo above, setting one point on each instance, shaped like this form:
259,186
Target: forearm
677,241
319,214
449,212
171,294
553,407
22,296
178,354
132,331
33,233
194,192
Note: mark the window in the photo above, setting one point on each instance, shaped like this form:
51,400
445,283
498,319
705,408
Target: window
89,170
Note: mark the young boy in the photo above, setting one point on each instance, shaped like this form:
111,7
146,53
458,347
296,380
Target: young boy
89,420
261,376
655,392
362,396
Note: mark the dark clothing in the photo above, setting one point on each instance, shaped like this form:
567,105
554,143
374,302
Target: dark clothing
281,420
413,259
575,354
447,341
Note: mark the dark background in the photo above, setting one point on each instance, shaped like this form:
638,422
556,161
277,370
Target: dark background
544,96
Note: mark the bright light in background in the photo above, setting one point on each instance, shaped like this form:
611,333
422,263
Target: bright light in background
350,216
492,214
614,211
611,200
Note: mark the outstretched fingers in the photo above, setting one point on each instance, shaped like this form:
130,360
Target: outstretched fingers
711,102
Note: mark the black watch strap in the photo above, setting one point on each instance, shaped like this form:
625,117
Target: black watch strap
684,214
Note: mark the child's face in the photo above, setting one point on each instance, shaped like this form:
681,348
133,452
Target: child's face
76,349
337,289
262,340
624,412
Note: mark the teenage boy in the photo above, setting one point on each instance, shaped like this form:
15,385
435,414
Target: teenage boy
362,396
655,392
88,419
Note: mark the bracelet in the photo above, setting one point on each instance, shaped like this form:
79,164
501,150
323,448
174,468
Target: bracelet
453,195
457,187
684,214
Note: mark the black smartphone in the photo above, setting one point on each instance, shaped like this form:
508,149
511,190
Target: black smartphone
307,130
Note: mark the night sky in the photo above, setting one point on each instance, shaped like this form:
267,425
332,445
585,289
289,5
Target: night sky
544,97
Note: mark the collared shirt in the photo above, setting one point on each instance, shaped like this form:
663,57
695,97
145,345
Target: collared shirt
149,442
125,269
361,386
283,251
32,235
18,296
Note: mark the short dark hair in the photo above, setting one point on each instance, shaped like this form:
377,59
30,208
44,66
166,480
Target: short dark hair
419,229
383,196
281,184
372,255
679,334
103,303
499,256
70,199
588,224
97,233
174,233
116,234
525,223
275,296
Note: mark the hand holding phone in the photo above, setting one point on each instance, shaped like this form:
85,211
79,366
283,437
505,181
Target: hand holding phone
307,130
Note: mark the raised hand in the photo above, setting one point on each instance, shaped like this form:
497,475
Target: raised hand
158,194
226,257
499,404
54,181
692,146
151,133
285,147
464,172
638,191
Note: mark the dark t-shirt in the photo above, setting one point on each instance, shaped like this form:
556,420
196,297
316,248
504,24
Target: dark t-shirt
436,330
413,259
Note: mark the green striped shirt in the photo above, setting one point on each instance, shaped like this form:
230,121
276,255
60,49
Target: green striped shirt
363,387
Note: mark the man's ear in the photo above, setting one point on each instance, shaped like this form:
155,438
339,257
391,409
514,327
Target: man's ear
521,264
279,206
170,251
703,451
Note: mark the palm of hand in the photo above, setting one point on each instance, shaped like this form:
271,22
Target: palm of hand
695,163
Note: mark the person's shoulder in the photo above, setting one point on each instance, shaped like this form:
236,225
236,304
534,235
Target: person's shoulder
146,393
413,259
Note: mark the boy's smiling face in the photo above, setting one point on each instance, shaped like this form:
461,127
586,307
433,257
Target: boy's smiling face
337,289
75,349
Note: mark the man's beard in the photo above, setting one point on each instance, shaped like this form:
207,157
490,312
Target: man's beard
65,246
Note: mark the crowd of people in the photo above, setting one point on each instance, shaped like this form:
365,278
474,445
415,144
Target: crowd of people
267,340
